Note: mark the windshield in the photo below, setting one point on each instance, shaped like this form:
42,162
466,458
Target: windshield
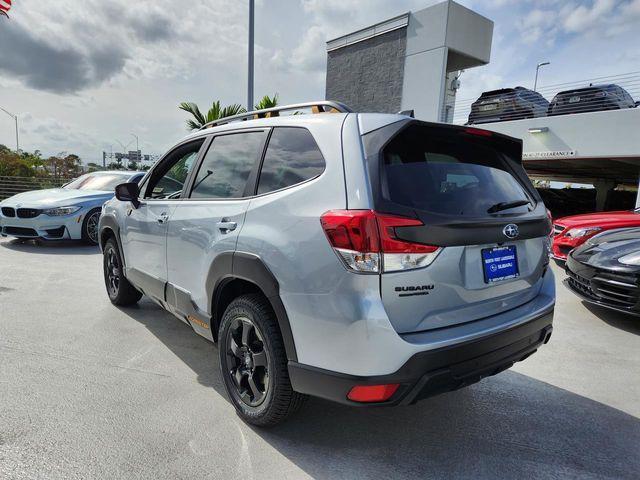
106,182
449,176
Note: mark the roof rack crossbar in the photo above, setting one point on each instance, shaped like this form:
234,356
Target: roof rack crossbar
321,106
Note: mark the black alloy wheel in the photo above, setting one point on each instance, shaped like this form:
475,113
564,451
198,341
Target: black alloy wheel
253,362
247,361
112,272
120,291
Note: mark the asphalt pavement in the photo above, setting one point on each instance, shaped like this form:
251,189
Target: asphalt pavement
88,391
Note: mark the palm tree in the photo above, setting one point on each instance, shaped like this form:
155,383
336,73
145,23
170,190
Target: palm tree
215,112
267,102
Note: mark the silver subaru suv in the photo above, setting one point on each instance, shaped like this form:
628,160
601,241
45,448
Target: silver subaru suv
369,259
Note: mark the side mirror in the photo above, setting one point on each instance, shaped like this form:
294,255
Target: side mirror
128,192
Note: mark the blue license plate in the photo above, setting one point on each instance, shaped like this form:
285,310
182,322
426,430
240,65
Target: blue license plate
499,263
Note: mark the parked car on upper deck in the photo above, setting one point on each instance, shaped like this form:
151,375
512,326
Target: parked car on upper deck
590,99
507,104
69,212
571,232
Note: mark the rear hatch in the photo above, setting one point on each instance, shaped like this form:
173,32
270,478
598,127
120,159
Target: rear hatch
491,105
471,199
579,101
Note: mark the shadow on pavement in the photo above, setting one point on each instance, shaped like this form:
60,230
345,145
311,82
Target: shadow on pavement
57,247
623,321
508,426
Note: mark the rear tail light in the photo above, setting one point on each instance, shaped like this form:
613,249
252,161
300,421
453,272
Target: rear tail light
366,241
372,393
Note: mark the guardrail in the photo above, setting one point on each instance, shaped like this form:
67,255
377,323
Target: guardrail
10,186
508,107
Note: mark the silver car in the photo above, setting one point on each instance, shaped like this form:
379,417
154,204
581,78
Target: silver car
368,259
70,212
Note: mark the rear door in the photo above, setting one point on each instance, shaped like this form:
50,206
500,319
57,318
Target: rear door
207,222
468,189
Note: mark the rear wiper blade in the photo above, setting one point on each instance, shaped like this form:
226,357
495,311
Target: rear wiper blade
498,207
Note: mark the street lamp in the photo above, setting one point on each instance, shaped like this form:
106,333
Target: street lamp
15,118
541,64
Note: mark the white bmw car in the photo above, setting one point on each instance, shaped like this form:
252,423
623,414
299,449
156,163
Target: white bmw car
69,212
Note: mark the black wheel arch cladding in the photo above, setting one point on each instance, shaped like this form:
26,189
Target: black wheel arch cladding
229,266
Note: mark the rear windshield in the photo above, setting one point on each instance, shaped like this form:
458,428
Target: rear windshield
450,175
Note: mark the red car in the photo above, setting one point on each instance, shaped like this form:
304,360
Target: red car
570,232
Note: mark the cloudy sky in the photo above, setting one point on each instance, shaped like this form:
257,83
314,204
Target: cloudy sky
83,75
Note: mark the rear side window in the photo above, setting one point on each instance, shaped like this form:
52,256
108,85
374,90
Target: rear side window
291,157
448,175
226,166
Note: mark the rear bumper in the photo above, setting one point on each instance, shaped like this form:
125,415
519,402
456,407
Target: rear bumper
435,371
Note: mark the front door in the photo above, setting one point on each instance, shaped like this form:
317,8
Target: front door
144,237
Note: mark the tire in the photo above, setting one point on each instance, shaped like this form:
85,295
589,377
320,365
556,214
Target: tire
120,291
90,226
256,376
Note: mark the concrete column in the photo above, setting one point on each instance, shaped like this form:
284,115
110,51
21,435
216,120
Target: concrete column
603,187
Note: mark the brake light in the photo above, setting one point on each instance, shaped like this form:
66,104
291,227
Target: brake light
372,393
478,131
550,217
365,239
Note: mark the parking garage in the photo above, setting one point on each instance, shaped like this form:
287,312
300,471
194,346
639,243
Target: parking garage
419,57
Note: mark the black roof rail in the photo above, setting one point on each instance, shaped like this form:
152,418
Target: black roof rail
322,106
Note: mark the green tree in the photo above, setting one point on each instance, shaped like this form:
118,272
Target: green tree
31,164
132,165
64,165
267,102
13,164
214,113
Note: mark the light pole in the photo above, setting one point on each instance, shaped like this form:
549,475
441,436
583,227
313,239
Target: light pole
15,119
541,64
250,59
138,156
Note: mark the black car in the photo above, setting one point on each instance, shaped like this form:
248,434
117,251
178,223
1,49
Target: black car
593,98
507,104
606,270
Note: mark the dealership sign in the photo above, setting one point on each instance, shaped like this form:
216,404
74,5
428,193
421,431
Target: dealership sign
550,155
5,6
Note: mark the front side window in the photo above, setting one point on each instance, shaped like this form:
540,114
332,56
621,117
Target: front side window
291,157
168,179
226,167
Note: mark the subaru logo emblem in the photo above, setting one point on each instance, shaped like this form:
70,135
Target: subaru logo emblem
510,231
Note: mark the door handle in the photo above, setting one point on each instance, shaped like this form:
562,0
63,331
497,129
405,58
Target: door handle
163,217
226,226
